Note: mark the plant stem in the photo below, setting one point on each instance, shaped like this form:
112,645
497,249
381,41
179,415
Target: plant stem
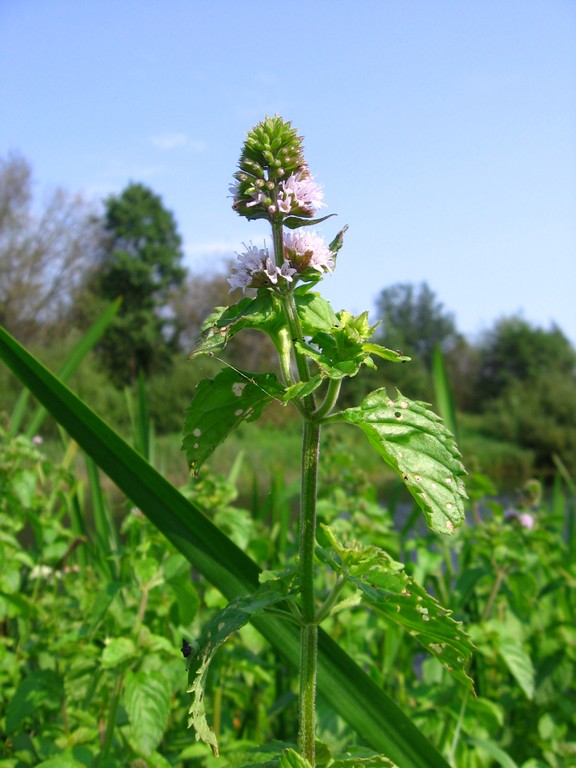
309,632
307,525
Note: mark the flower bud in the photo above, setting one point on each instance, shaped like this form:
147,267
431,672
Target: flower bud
272,153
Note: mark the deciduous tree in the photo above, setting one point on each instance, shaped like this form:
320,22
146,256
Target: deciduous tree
44,256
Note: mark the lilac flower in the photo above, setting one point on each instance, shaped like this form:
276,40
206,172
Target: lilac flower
299,193
524,519
307,250
258,269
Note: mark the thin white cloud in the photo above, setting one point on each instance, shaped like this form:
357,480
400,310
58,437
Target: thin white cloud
174,140
212,248
167,141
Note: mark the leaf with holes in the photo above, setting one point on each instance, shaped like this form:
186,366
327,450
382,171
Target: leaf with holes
385,585
413,440
220,405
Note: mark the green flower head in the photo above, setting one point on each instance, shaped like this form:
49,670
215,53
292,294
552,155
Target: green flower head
274,181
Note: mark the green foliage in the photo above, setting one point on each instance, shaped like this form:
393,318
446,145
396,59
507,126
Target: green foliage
141,263
526,390
378,721
538,415
414,321
515,351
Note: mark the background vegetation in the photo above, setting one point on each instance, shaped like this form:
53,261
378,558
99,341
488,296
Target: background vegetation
62,261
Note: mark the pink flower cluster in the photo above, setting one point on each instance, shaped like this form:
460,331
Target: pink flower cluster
257,269
307,250
302,251
300,191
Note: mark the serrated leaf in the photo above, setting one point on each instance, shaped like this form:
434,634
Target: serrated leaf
315,313
227,621
413,440
291,759
386,586
519,663
220,405
392,355
263,313
117,651
339,343
147,702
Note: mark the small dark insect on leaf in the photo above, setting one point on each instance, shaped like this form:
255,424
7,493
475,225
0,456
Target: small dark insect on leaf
186,648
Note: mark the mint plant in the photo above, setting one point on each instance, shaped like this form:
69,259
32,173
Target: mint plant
318,349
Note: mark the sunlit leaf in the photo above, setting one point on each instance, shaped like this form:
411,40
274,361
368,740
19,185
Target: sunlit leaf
147,702
291,759
518,662
385,585
315,313
414,442
339,342
116,651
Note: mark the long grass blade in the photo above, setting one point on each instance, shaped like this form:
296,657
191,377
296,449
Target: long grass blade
349,690
86,343
443,392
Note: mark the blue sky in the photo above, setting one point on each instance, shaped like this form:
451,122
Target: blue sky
442,131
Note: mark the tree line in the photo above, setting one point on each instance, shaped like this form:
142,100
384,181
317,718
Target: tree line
63,261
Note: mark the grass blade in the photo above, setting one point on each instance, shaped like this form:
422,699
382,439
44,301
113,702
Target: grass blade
86,343
443,392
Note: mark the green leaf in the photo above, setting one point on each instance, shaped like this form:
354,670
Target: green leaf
341,348
293,222
413,441
518,662
116,651
220,405
386,586
41,686
315,313
378,721
291,759
147,702
67,759
263,313
375,761
495,752
224,623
